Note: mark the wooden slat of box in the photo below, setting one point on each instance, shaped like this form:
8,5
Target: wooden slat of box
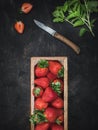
63,60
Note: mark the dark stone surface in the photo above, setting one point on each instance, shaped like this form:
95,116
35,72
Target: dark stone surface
15,53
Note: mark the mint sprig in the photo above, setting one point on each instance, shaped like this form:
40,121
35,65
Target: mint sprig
78,14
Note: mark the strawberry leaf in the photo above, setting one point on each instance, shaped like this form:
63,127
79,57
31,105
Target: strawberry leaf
37,117
43,63
56,87
61,73
37,91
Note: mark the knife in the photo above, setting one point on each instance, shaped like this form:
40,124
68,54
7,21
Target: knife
58,36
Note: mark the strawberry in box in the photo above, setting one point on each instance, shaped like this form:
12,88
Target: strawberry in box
42,126
41,68
37,91
58,103
43,82
40,104
56,68
49,95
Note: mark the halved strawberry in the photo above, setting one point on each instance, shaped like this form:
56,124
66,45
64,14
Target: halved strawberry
26,7
41,69
37,91
19,27
56,68
42,81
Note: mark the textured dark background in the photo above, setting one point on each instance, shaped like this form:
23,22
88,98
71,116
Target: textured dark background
15,53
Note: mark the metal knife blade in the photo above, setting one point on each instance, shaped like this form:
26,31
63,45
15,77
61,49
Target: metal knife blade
58,36
45,28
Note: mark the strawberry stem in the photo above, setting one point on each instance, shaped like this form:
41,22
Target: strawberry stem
58,122
56,87
43,64
36,91
61,73
37,117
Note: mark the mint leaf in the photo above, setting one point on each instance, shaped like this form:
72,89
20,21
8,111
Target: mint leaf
78,23
82,32
58,20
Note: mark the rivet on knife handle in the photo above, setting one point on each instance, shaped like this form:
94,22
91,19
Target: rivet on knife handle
67,42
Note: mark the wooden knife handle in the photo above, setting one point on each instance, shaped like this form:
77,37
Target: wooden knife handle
67,42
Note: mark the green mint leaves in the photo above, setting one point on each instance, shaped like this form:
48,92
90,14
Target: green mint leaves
78,14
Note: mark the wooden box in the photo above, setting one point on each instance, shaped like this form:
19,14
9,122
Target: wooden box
63,60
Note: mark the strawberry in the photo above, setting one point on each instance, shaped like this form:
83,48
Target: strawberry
40,104
57,127
59,111
19,27
37,91
50,114
49,95
51,76
58,86
42,126
26,7
60,119
58,103
42,81
41,69
56,68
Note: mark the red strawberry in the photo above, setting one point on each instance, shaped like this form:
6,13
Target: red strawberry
42,126
37,91
60,119
19,27
50,114
57,127
26,7
41,69
49,95
58,86
51,76
43,82
59,111
56,68
40,104
58,103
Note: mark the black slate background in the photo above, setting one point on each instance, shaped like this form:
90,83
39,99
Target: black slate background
15,53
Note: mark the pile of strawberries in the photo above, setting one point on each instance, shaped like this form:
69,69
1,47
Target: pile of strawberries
48,96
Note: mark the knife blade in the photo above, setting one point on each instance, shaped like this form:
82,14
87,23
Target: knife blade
58,36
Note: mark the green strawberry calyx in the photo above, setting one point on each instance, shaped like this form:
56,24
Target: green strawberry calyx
37,117
43,64
56,87
61,73
37,91
58,121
